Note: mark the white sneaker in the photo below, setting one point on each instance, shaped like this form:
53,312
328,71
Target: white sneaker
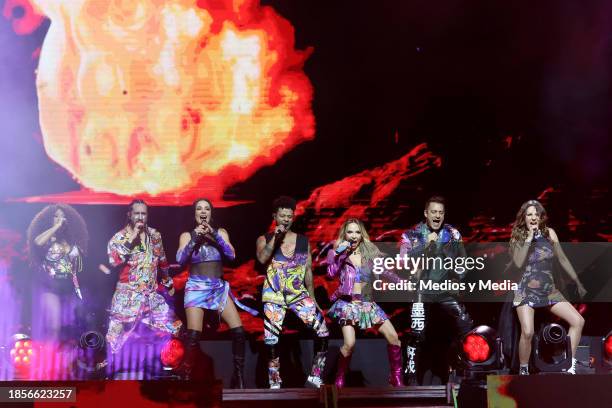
314,381
572,369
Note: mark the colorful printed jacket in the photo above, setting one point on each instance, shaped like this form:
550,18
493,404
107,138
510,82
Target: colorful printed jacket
448,245
138,265
342,265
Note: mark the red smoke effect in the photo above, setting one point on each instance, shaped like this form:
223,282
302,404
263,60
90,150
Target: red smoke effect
244,279
347,195
484,229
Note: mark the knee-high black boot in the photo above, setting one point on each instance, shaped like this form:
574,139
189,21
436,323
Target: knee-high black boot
238,345
192,349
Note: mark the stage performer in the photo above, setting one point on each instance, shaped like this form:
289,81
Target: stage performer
57,240
289,285
431,239
352,260
533,247
204,249
138,252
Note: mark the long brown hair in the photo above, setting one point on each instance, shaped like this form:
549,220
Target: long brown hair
368,250
519,228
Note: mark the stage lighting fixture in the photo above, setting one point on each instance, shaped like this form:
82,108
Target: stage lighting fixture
552,351
22,355
92,355
147,358
606,354
172,354
481,350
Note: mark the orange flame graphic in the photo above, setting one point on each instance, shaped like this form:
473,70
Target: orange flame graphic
166,96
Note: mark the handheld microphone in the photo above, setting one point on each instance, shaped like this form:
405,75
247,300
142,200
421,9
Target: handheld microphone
280,233
206,225
342,247
141,227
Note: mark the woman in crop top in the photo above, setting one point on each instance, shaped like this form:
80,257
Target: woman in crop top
204,250
57,240
352,260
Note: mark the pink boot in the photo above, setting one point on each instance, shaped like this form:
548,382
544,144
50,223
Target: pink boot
343,365
395,365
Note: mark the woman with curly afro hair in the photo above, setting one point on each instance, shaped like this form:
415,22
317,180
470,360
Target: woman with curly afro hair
57,240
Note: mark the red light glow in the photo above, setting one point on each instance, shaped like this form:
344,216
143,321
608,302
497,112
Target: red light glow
172,353
22,353
608,346
476,348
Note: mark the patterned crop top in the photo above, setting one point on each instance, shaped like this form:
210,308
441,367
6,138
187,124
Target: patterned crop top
59,264
197,252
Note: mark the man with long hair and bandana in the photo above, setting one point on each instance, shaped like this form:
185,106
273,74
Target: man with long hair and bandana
137,251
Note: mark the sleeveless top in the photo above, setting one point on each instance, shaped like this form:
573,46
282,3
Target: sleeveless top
284,282
537,286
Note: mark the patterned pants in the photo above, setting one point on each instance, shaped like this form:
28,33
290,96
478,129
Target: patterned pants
305,309
463,323
129,307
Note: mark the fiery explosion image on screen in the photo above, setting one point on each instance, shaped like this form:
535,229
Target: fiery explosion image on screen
150,97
